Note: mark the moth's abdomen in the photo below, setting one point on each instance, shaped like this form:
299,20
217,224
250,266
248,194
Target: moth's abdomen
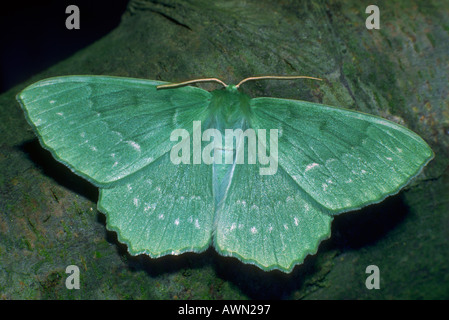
222,174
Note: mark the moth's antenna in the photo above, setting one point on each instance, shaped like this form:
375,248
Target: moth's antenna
276,77
174,85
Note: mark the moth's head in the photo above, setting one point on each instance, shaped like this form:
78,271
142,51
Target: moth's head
232,88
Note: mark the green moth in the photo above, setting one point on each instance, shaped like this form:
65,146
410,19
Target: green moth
180,168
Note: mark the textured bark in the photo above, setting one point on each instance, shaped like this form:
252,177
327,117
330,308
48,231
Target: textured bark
48,218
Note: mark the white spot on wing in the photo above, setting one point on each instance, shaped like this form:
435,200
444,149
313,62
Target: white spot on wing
147,207
311,166
253,230
135,145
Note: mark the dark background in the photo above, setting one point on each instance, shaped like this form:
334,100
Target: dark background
34,36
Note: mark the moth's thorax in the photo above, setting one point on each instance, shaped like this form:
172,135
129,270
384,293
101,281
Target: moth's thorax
229,107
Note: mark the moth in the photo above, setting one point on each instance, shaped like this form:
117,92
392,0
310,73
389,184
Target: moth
181,169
